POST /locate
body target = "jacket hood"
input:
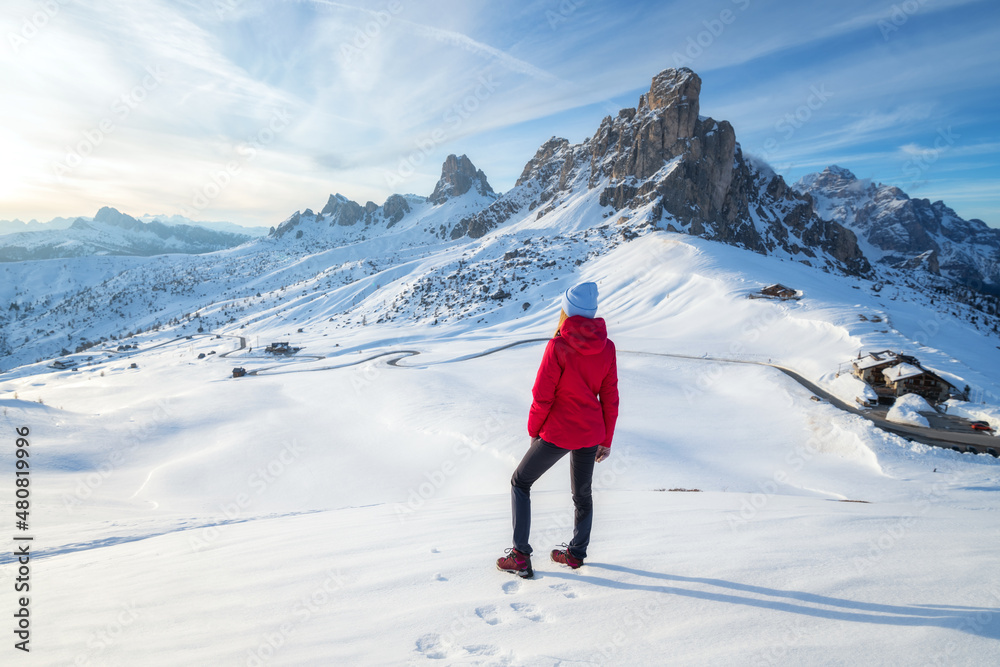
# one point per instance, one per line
(585, 335)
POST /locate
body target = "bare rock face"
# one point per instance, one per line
(639, 141)
(684, 172)
(343, 211)
(458, 176)
(394, 208)
(693, 170)
(926, 261)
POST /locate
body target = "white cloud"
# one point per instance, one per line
(437, 78)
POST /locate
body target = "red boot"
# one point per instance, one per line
(564, 557)
(516, 562)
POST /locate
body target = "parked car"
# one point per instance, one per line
(981, 426)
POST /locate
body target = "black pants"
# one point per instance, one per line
(540, 457)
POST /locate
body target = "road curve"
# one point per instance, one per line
(972, 442)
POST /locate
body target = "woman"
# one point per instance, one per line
(574, 410)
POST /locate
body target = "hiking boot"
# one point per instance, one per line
(516, 562)
(564, 557)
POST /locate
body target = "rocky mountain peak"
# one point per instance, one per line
(112, 216)
(907, 233)
(840, 171)
(832, 177)
(837, 172)
(638, 142)
(833, 185)
(675, 169)
(677, 89)
(458, 176)
(344, 211)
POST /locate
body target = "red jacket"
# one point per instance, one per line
(575, 397)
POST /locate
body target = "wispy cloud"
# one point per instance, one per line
(370, 86)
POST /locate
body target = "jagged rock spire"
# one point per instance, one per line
(458, 176)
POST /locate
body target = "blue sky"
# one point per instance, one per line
(247, 110)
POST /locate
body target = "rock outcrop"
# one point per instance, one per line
(459, 176)
(394, 208)
(460, 180)
(343, 211)
(676, 169)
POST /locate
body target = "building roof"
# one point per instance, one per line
(902, 372)
(876, 359)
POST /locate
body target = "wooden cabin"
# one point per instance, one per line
(281, 348)
(780, 291)
(906, 378)
(869, 367)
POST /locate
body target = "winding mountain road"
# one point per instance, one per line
(936, 437)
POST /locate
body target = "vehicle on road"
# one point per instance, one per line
(981, 426)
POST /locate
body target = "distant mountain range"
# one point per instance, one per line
(464, 251)
(111, 232)
(898, 231)
(14, 226)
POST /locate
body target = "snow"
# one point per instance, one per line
(345, 505)
(875, 359)
(852, 390)
(975, 412)
(901, 372)
(907, 409)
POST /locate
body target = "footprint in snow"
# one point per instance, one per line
(511, 587)
(564, 589)
(433, 646)
(488, 614)
(528, 611)
(493, 656)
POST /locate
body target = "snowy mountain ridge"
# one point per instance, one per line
(346, 504)
(663, 166)
(461, 252)
(111, 232)
(900, 231)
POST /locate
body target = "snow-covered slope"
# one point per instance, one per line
(897, 230)
(342, 510)
(345, 504)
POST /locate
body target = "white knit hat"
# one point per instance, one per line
(580, 300)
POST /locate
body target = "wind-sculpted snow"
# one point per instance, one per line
(345, 504)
